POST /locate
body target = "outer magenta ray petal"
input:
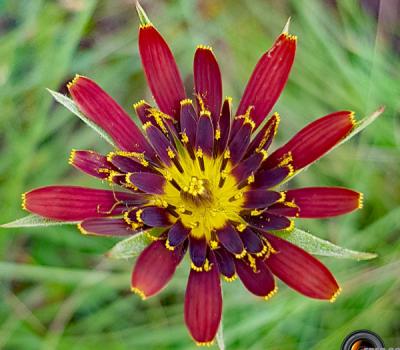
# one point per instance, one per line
(72, 203)
(100, 107)
(269, 78)
(301, 271)
(203, 304)
(161, 70)
(323, 202)
(313, 141)
(208, 81)
(154, 269)
(106, 227)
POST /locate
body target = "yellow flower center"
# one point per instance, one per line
(204, 200)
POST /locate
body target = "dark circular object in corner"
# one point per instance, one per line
(362, 339)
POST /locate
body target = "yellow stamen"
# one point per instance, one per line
(139, 104)
(241, 255)
(81, 229)
(138, 215)
(208, 343)
(186, 101)
(72, 156)
(335, 295)
(73, 81)
(360, 200)
(272, 293)
(241, 227)
(204, 47)
(168, 246)
(230, 279)
(139, 292)
(23, 203)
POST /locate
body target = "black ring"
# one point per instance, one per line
(367, 339)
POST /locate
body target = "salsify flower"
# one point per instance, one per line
(203, 175)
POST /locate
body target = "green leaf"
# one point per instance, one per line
(129, 247)
(35, 221)
(220, 336)
(71, 106)
(318, 246)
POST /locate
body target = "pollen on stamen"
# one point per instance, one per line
(185, 138)
(241, 255)
(230, 279)
(23, 203)
(186, 101)
(168, 246)
(139, 104)
(335, 295)
(81, 229)
(73, 81)
(272, 293)
(207, 344)
(360, 200)
(264, 250)
(72, 156)
(204, 47)
(138, 215)
(139, 292)
(241, 227)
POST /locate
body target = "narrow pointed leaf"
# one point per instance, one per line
(71, 106)
(33, 220)
(318, 246)
(129, 247)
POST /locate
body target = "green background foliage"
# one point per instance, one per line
(57, 288)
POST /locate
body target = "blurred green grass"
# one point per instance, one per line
(57, 290)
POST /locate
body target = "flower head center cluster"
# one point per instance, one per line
(203, 197)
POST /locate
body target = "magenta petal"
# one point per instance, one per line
(72, 203)
(271, 177)
(205, 134)
(268, 78)
(106, 227)
(301, 271)
(258, 279)
(147, 182)
(313, 141)
(324, 202)
(224, 125)
(225, 262)
(208, 81)
(198, 251)
(260, 198)
(99, 107)
(163, 147)
(154, 268)
(230, 239)
(153, 216)
(177, 234)
(265, 136)
(91, 163)
(252, 241)
(161, 70)
(239, 142)
(266, 221)
(188, 119)
(203, 304)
